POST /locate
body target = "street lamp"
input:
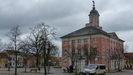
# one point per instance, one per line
(49, 65)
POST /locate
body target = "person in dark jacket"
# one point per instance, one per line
(39, 69)
(68, 70)
(71, 69)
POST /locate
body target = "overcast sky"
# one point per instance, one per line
(67, 16)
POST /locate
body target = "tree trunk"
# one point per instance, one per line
(37, 59)
(25, 65)
(45, 69)
(16, 63)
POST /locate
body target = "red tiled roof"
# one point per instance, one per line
(129, 55)
(11, 51)
(56, 59)
(3, 55)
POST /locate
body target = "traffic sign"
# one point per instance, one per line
(81, 57)
(9, 58)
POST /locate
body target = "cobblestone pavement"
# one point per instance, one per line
(124, 72)
(53, 71)
(20, 71)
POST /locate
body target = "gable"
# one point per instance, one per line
(113, 35)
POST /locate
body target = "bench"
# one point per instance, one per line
(64, 70)
(35, 70)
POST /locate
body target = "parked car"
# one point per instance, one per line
(95, 69)
(19, 66)
(11, 67)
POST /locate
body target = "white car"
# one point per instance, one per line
(95, 69)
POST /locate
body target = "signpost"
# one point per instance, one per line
(9, 62)
(9, 59)
(96, 59)
(49, 65)
(81, 57)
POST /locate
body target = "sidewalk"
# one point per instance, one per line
(58, 71)
(20, 71)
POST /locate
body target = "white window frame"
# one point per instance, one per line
(95, 39)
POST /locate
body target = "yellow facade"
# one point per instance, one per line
(3, 62)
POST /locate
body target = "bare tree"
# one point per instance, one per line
(14, 36)
(90, 53)
(40, 40)
(2, 45)
(34, 40)
(25, 51)
(108, 57)
(118, 55)
(74, 55)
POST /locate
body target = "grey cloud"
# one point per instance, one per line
(65, 15)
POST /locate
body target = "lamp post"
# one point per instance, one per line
(49, 65)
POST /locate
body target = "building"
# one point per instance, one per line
(92, 45)
(56, 61)
(3, 60)
(24, 59)
(29, 60)
(11, 54)
(128, 60)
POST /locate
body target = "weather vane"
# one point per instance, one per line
(93, 3)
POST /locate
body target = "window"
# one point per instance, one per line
(85, 41)
(65, 52)
(102, 67)
(103, 40)
(95, 51)
(73, 41)
(79, 52)
(20, 63)
(107, 41)
(65, 63)
(19, 59)
(65, 43)
(95, 39)
(103, 50)
(85, 52)
(73, 51)
(79, 40)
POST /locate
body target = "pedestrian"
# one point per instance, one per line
(68, 70)
(39, 69)
(71, 69)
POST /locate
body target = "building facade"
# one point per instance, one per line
(11, 54)
(128, 60)
(92, 45)
(23, 59)
(3, 60)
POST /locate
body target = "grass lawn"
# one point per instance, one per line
(57, 67)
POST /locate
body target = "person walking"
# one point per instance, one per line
(71, 69)
(39, 69)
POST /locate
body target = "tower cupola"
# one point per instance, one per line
(94, 11)
(94, 17)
